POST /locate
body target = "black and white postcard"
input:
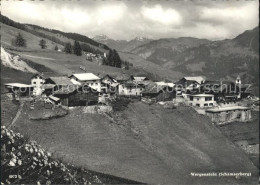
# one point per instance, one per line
(130, 92)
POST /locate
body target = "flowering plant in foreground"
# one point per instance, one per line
(25, 162)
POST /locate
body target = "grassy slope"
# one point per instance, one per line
(157, 70)
(65, 64)
(240, 131)
(9, 75)
(147, 144)
(61, 37)
(8, 33)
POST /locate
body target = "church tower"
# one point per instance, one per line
(238, 85)
(238, 80)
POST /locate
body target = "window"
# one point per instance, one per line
(205, 105)
(211, 104)
(91, 83)
(208, 98)
(191, 98)
(96, 83)
(41, 82)
(198, 105)
(34, 82)
(198, 99)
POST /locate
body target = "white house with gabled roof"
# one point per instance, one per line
(37, 82)
(89, 79)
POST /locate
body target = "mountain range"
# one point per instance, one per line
(121, 45)
(223, 59)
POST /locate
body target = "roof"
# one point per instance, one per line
(75, 82)
(121, 77)
(202, 95)
(86, 76)
(140, 78)
(231, 108)
(54, 98)
(110, 77)
(48, 86)
(198, 79)
(37, 74)
(216, 82)
(131, 84)
(151, 89)
(66, 89)
(20, 85)
(162, 83)
(61, 80)
(72, 88)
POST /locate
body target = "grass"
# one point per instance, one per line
(146, 144)
(238, 131)
(25, 162)
(42, 111)
(9, 75)
(241, 131)
(157, 71)
(8, 33)
(61, 63)
(8, 110)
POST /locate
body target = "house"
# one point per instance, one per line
(155, 93)
(122, 77)
(109, 84)
(77, 95)
(223, 91)
(19, 90)
(37, 82)
(59, 81)
(202, 100)
(48, 89)
(189, 84)
(52, 84)
(227, 114)
(165, 84)
(89, 79)
(130, 89)
(141, 80)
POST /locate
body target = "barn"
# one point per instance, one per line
(76, 95)
(154, 93)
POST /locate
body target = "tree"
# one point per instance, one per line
(42, 43)
(113, 59)
(19, 41)
(68, 48)
(56, 48)
(77, 49)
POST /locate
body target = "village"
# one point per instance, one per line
(219, 100)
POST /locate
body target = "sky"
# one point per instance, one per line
(127, 19)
